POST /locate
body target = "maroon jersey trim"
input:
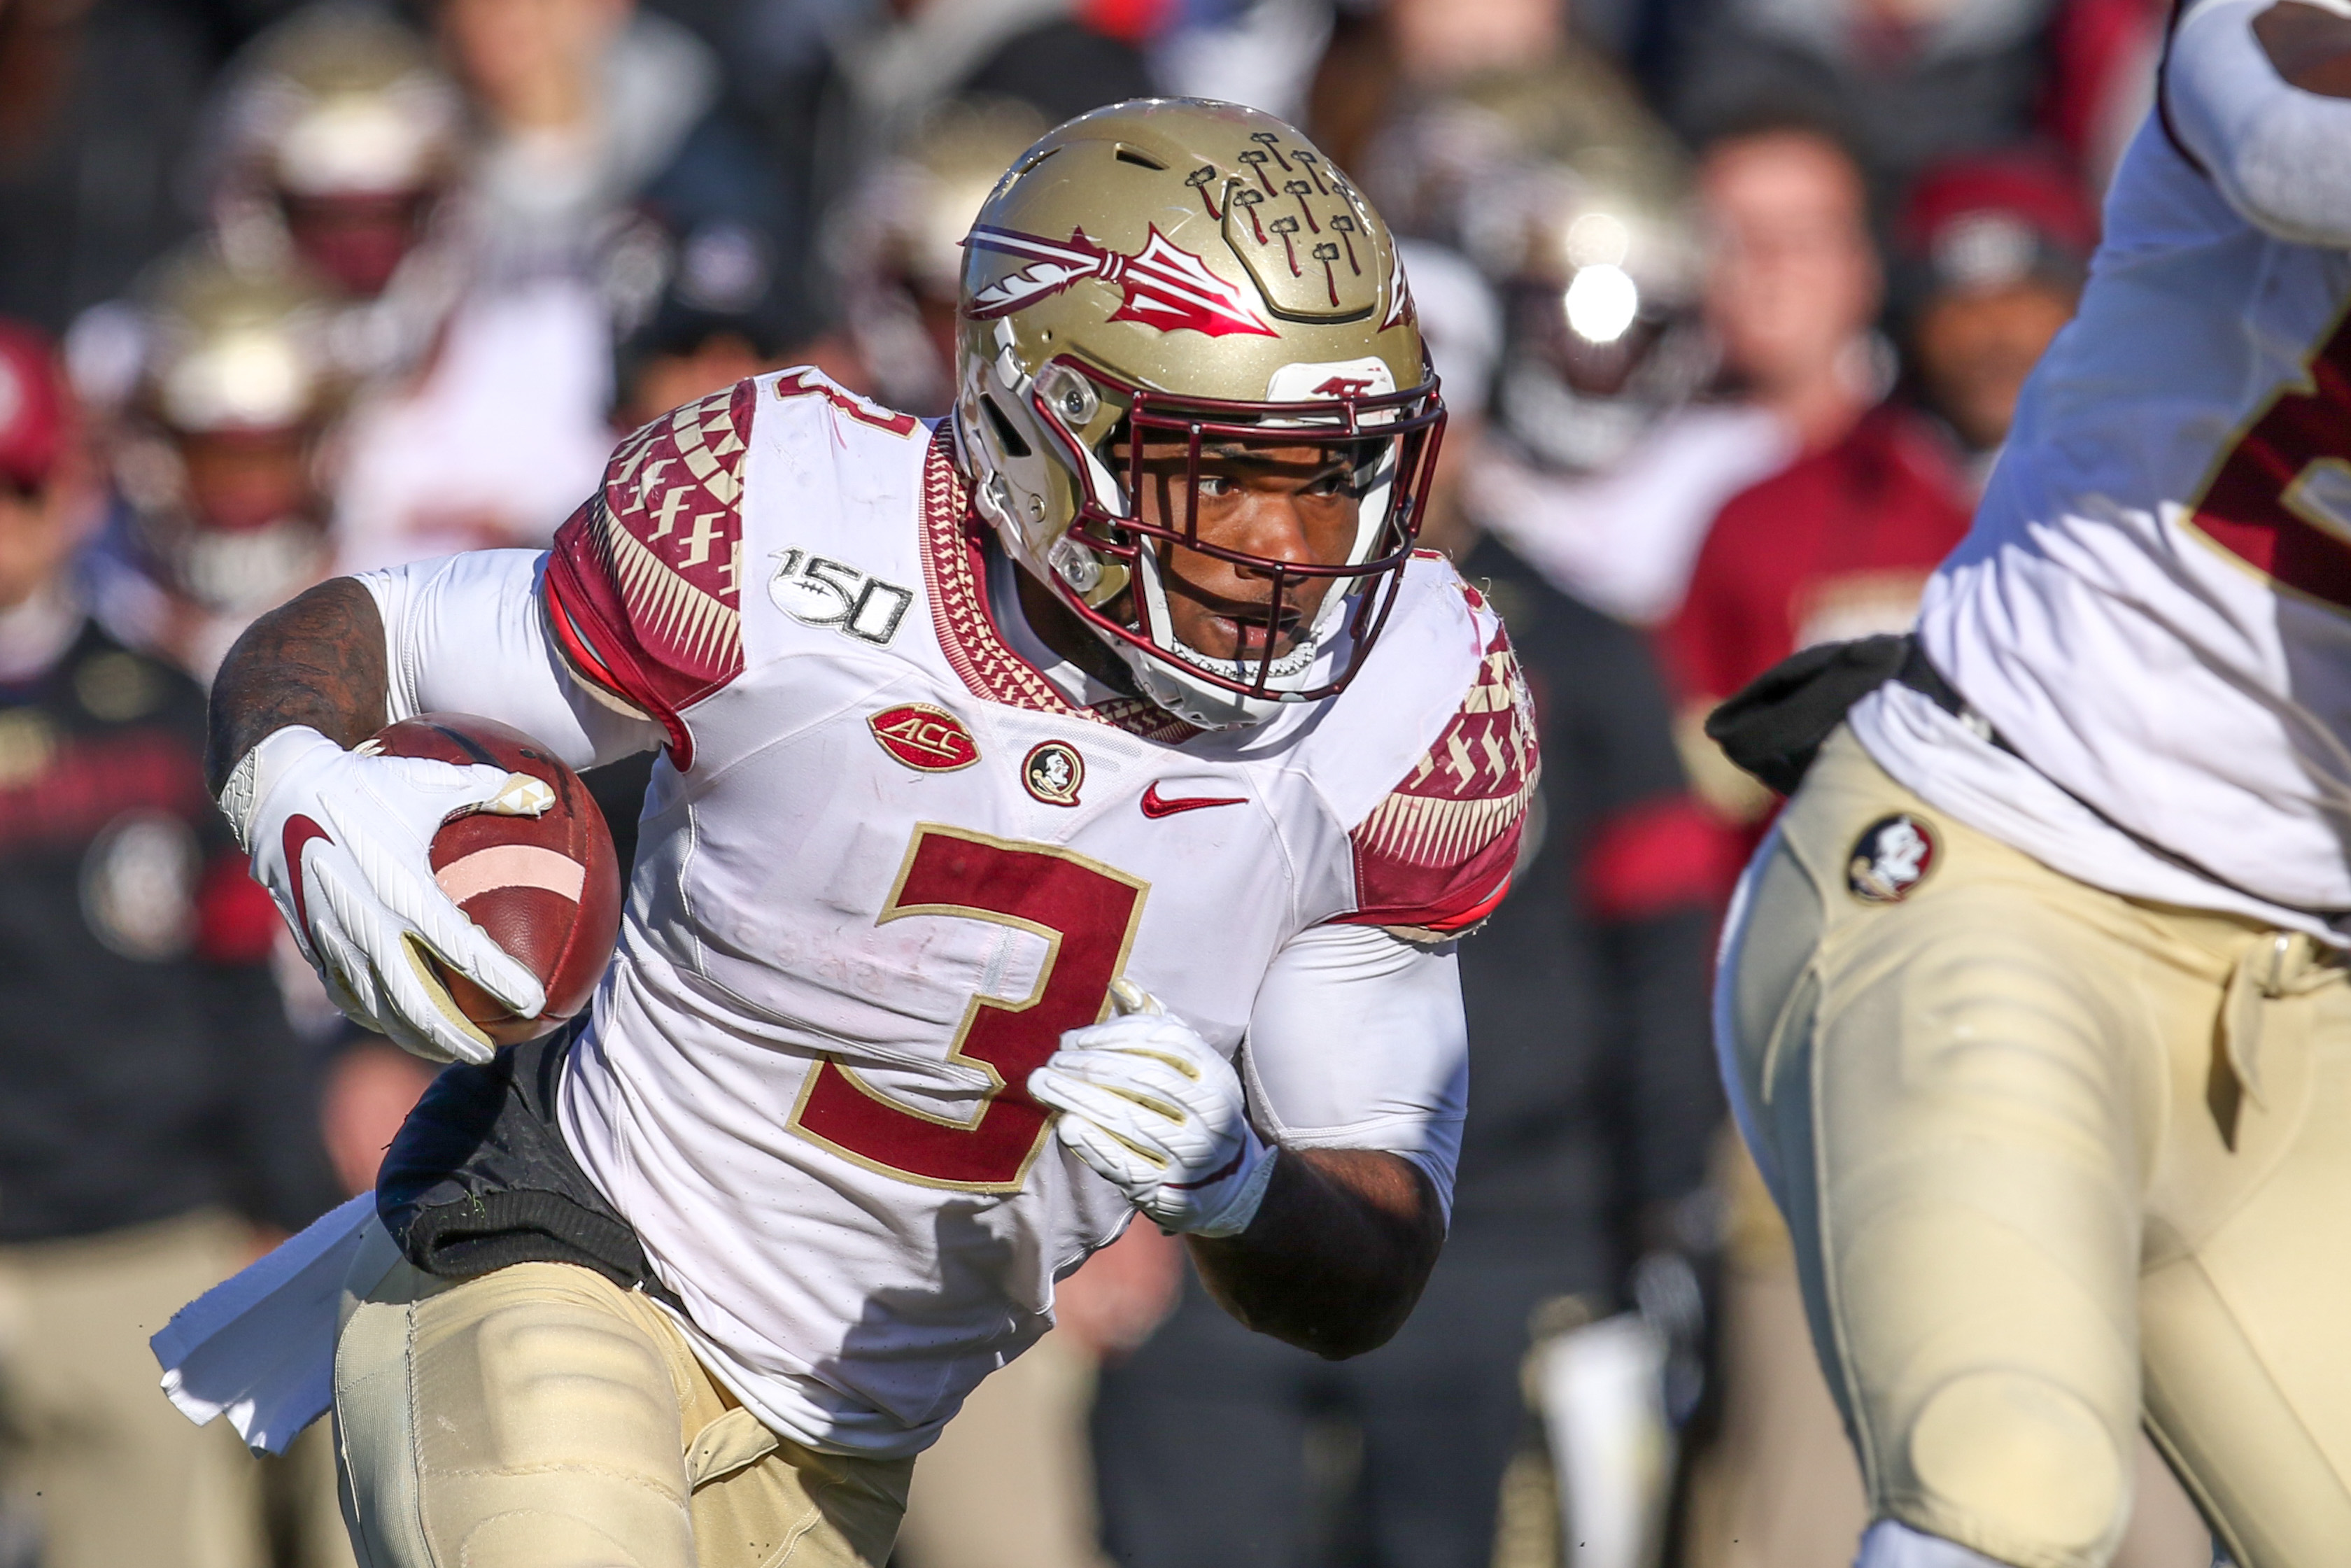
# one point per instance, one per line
(954, 570)
(644, 585)
(1436, 854)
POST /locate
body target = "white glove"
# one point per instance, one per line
(1158, 1115)
(342, 840)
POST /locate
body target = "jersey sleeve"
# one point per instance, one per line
(466, 633)
(643, 589)
(1358, 1040)
(1435, 856)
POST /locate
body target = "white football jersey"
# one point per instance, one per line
(886, 862)
(2155, 604)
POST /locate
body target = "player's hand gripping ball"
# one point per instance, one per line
(450, 879)
(1159, 1114)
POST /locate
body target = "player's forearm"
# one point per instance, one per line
(1337, 1254)
(317, 660)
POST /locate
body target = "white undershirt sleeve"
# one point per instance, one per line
(465, 633)
(1357, 1041)
(2282, 156)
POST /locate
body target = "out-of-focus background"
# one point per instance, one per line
(1732, 298)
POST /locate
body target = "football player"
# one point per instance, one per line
(2036, 1011)
(1064, 813)
(223, 453)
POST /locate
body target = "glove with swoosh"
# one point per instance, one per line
(1159, 1114)
(342, 840)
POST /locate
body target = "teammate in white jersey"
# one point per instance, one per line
(2035, 1009)
(1064, 813)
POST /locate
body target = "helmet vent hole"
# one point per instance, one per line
(1140, 160)
(1006, 436)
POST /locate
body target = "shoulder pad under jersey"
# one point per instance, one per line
(642, 587)
(1433, 855)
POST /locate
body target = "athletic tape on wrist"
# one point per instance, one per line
(239, 798)
(248, 782)
(1237, 1214)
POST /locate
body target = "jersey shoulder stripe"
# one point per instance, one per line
(1434, 854)
(643, 586)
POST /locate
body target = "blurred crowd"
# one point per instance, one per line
(1732, 298)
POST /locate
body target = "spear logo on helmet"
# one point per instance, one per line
(1165, 288)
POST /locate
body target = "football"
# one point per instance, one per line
(546, 888)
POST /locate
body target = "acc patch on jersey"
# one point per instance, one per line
(926, 738)
(1890, 859)
(1054, 772)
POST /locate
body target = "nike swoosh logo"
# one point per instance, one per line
(299, 831)
(1156, 806)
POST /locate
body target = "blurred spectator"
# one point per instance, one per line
(2101, 57)
(1908, 81)
(1912, 82)
(707, 298)
(913, 54)
(98, 100)
(1592, 1102)
(1994, 252)
(1262, 53)
(1790, 286)
(220, 457)
(336, 140)
(480, 414)
(897, 245)
(156, 1117)
(871, 77)
(1387, 62)
(1840, 545)
(583, 103)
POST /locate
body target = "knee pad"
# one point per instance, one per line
(2011, 1459)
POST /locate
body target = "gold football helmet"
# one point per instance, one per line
(339, 134)
(1165, 274)
(218, 450)
(1576, 204)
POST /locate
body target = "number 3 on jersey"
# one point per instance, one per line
(1086, 913)
(2280, 501)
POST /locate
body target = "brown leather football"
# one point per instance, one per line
(546, 888)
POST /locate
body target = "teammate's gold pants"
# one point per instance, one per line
(540, 1417)
(2055, 1161)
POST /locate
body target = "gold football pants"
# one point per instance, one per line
(540, 1417)
(2057, 1161)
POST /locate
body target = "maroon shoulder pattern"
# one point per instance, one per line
(643, 588)
(1436, 854)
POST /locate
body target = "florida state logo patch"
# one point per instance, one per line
(1890, 859)
(926, 738)
(1054, 772)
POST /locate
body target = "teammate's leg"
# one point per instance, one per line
(2248, 1368)
(540, 1416)
(1956, 1091)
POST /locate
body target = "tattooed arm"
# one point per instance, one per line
(317, 660)
(467, 634)
(342, 838)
